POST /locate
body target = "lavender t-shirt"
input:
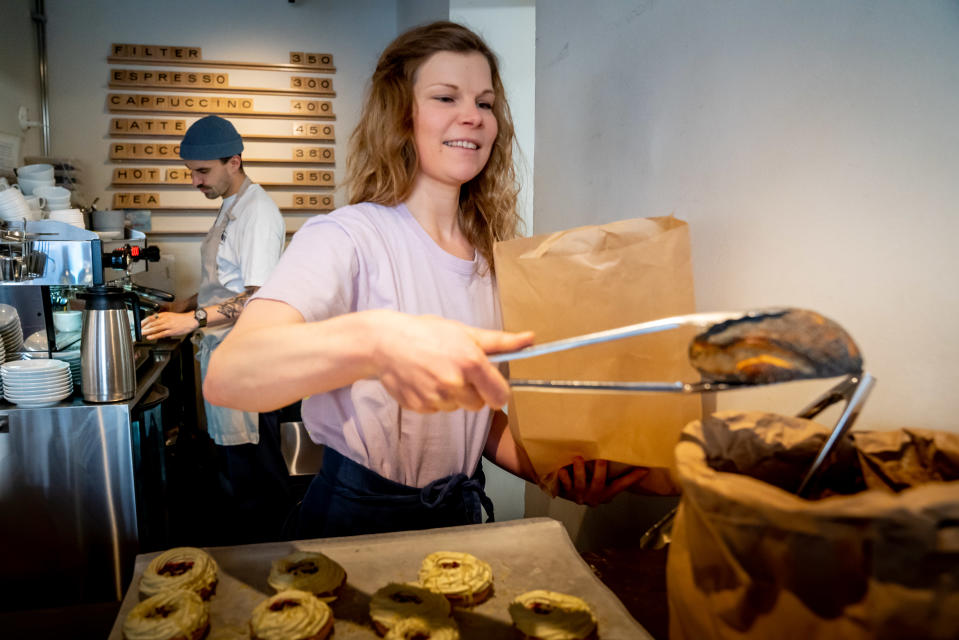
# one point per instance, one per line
(368, 256)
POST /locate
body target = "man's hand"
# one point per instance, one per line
(168, 325)
(589, 483)
(180, 306)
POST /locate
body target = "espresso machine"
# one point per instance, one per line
(44, 256)
(73, 476)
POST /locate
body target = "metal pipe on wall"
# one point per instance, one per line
(40, 22)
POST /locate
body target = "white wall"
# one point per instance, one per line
(80, 34)
(508, 27)
(411, 13)
(813, 146)
(19, 74)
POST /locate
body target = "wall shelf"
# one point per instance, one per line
(222, 64)
(221, 89)
(213, 210)
(242, 114)
(171, 186)
(179, 160)
(246, 136)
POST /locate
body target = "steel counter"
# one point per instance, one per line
(68, 498)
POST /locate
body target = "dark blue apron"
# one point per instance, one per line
(346, 498)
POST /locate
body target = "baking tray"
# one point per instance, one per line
(534, 553)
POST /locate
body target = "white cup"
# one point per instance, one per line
(36, 202)
(67, 321)
(50, 191)
(53, 205)
(29, 186)
(36, 171)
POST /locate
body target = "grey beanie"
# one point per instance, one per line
(211, 138)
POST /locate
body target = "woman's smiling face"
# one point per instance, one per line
(453, 123)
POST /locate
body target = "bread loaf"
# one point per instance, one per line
(787, 345)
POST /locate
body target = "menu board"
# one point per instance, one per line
(285, 112)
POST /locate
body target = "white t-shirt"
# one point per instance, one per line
(369, 256)
(248, 252)
(253, 241)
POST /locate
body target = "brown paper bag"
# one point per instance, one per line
(585, 280)
(750, 560)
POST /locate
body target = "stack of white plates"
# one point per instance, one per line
(36, 383)
(71, 357)
(65, 341)
(70, 216)
(11, 333)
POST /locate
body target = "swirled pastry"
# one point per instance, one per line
(791, 344)
(180, 568)
(313, 572)
(547, 615)
(394, 602)
(176, 614)
(424, 629)
(291, 615)
(464, 579)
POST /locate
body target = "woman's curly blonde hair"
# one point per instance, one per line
(382, 161)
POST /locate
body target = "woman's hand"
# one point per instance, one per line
(589, 483)
(167, 325)
(432, 364)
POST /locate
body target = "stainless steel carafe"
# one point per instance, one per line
(106, 348)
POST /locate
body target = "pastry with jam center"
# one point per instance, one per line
(180, 568)
(418, 628)
(464, 579)
(306, 571)
(176, 614)
(557, 616)
(396, 602)
(291, 615)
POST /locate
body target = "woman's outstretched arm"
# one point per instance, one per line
(273, 357)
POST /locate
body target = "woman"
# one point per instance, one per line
(382, 313)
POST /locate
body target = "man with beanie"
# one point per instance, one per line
(237, 256)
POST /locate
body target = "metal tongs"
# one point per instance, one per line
(853, 389)
(697, 320)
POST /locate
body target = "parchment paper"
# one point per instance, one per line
(878, 559)
(591, 279)
(526, 554)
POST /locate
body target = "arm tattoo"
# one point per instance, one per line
(231, 308)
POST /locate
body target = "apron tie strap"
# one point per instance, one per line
(435, 494)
